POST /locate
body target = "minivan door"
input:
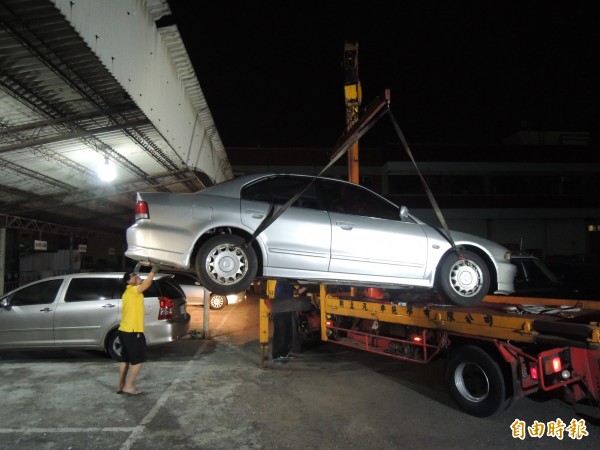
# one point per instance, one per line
(89, 308)
(28, 320)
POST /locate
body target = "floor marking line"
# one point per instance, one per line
(66, 430)
(138, 431)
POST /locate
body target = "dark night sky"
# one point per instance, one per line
(458, 72)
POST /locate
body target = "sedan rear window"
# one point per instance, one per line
(280, 189)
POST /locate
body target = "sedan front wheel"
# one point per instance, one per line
(463, 279)
(225, 265)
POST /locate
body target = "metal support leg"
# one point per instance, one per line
(264, 334)
(206, 310)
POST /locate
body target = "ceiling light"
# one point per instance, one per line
(106, 171)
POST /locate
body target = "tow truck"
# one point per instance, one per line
(499, 350)
(504, 348)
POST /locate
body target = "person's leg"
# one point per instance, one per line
(132, 374)
(278, 349)
(123, 369)
(124, 364)
(296, 339)
(288, 333)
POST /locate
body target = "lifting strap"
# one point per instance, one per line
(375, 111)
(436, 208)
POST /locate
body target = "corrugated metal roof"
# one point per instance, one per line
(62, 115)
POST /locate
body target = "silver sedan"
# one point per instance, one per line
(335, 232)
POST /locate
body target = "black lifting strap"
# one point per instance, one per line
(436, 208)
(375, 112)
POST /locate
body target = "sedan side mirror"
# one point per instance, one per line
(403, 213)
(5, 303)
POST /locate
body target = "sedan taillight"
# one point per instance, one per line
(165, 308)
(141, 210)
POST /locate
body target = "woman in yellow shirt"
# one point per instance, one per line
(131, 331)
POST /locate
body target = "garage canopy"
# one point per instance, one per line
(95, 87)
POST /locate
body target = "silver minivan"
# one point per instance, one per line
(84, 311)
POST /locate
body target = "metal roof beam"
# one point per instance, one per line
(35, 175)
(87, 195)
(69, 137)
(22, 223)
(93, 115)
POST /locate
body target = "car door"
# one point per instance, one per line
(27, 320)
(88, 309)
(300, 238)
(367, 235)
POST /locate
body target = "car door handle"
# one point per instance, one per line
(45, 310)
(109, 305)
(255, 214)
(345, 225)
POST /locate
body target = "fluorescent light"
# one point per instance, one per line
(106, 171)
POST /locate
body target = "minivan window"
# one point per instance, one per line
(164, 288)
(42, 293)
(90, 289)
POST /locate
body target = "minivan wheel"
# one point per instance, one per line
(114, 346)
(218, 301)
(225, 265)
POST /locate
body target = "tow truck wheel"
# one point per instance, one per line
(464, 280)
(475, 381)
(225, 266)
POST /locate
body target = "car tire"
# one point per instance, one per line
(225, 266)
(475, 381)
(218, 301)
(114, 346)
(463, 279)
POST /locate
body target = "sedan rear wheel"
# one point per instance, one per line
(225, 266)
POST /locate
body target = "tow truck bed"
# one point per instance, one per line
(517, 319)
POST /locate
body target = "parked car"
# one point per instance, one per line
(534, 278)
(194, 292)
(336, 232)
(84, 311)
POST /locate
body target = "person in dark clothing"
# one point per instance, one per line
(283, 322)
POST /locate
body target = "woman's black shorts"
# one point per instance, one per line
(134, 347)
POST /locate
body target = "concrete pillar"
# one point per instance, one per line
(2, 258)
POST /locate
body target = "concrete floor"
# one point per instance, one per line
(212, 394)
